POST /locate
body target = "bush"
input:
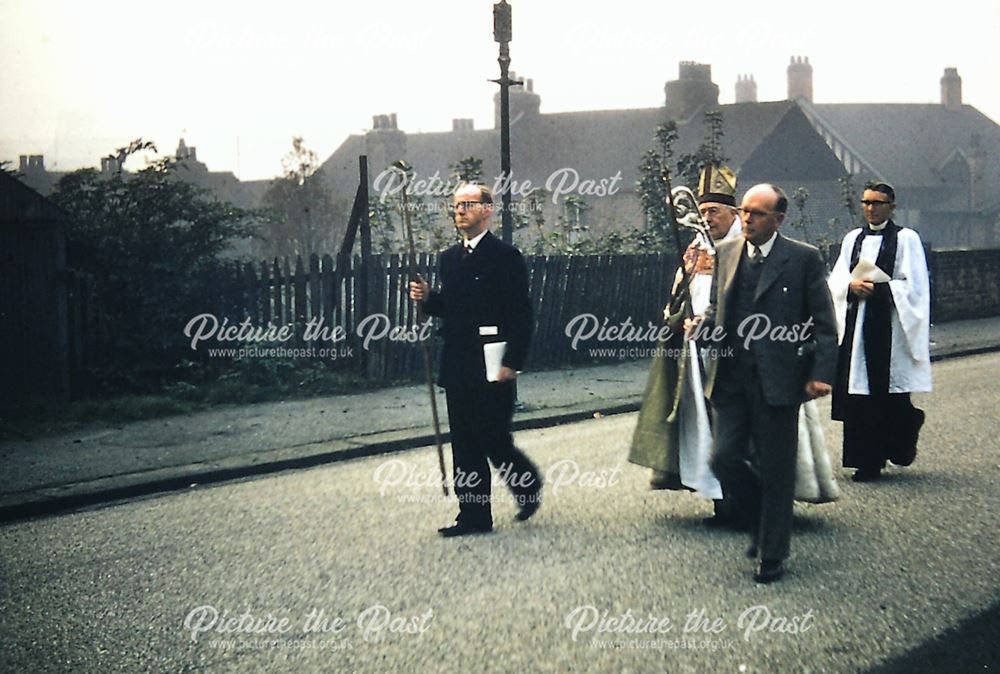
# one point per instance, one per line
(150, 241)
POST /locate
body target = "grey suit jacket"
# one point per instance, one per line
(792, 290)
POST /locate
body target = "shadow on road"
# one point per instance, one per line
(971, 646)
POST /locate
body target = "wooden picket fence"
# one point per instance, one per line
(344, 292)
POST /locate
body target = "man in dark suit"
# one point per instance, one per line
(483, 299)
(770, 298)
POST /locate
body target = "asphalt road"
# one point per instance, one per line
(608, 577)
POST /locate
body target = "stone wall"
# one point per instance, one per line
(966, 284)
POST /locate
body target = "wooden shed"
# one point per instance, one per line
(34, 339)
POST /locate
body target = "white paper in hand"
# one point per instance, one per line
(493, 356)
(866, 271)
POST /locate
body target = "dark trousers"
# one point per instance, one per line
(480, 416)
(762, 482)
(878, 428)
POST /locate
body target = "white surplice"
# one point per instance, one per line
(694, 429)
(910, 364)
(814, 478)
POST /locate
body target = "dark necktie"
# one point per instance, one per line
(756, 256)
(466, 250)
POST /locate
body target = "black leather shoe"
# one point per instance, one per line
(656, 485)
(867, 475)
(769, 570)
(529, 507)
(752, 551)
(905, 458)
(462, 529)
(663, 480)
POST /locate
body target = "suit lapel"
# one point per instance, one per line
(772, 267)
(728, 267)
(485, 242)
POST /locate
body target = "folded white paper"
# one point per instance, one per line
(493, 356)
(866, 271)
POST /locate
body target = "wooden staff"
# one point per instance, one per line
(404, 168)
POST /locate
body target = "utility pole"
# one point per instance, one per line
(502, 34)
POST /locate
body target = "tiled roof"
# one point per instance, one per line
(908, 144)
(597, 144)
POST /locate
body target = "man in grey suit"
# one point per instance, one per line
(771, 305)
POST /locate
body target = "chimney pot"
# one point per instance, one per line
(746, 89)
(800, 79)
(384, 121)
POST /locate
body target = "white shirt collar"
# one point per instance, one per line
(765, 248)
(878, 228)
(474, 241)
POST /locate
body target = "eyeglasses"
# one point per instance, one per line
(753, 213)
(869, 202)
(467, 204)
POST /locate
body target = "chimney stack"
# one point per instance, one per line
(800, 79)
(110, 165)
(951, 89)
(746, 89)
(692, 90)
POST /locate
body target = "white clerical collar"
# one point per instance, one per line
(765, 248)
(474, 241)
(735, 229)
(878, 228)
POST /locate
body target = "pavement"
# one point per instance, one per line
(48, 475)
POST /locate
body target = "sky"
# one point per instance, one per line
(239, 79)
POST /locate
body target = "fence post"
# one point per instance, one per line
(300, 300)
(279, 310)
(315, 303)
